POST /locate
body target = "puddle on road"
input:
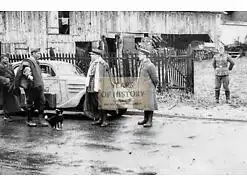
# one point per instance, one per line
(176, 146)
(191, 137)
(147, 173)
(102, 146)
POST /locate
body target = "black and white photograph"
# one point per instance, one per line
(123, 92)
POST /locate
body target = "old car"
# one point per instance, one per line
(67, 82)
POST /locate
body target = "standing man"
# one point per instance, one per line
(147, 82)
(99, 90)
(34, 90)
(8, 98)
(220, 64)
(103, 46)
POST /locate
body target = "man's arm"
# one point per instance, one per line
(229, 59)
(214, 63)
(153, 74)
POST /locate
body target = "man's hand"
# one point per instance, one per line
(7, 80)
(30, 77)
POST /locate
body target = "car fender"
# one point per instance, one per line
(72, 102)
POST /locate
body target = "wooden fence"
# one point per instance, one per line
(174, 71)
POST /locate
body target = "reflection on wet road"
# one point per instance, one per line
(171, 146)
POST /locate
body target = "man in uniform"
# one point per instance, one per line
(147, 82)
(221, 65)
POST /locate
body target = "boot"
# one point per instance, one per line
(150, 119)
(145, 119)
(99, 121)
(7, 117)
(217, 95)
(30, 122)
(41, 121)
(103, 117)
(227, 93)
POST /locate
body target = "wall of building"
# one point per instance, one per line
(22, 30)
(40, 29)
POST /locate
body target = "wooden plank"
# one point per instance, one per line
(164, 71)
(159, 70)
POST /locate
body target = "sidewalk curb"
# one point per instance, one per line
(186, 117)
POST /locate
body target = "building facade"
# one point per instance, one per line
(69, 31)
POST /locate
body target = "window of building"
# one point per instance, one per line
(63, 21)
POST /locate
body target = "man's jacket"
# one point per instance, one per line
(220, 64)
(36, 72)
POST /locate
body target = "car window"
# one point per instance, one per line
(47, 71)
(69, 69)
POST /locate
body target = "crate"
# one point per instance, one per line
(51, 100)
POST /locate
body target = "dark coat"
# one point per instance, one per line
(8, 92)
(220, 64)
(36, 73)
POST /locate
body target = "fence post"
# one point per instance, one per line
(165, 61)
(190, 75)
(48, 57)
(159, 59)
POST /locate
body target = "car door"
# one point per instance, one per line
(51, 81)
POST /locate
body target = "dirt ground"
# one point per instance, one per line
(204, 83)
(202, 103)
(171, 146)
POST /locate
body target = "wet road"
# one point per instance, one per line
(171, 146)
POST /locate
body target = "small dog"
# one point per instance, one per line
(56, 121)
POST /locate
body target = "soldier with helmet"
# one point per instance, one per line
(222, 63)
(147, 82)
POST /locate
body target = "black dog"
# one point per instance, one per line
(56, 121)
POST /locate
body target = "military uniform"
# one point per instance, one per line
(146, 83)
(222, 68)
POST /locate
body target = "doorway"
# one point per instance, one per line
(82, 55)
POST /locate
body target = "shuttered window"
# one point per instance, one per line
(63, 21)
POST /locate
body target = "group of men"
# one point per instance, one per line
(98, 79)
(30, 79)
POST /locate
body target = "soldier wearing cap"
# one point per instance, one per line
(8, 92)
(98, 83)
(221, 65)
(34, 90)
(147, 81)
